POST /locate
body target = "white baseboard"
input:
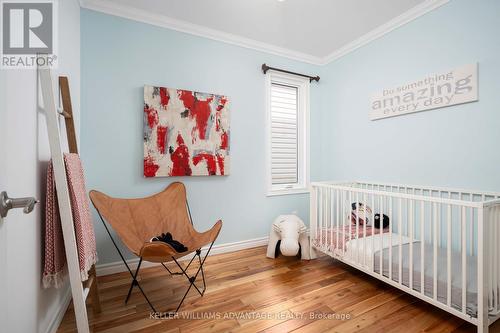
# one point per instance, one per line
(58, 317)
(119, 266)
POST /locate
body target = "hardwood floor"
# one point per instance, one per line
(297, 296)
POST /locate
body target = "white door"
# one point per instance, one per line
(3, 228)
(23, 149)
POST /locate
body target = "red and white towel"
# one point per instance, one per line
(55, 256)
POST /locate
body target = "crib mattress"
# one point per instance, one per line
(362, 249)
(442, 274)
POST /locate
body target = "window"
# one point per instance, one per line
(288, 133)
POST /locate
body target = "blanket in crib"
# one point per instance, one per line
(336, 238)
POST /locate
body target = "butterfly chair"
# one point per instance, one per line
(137, 221)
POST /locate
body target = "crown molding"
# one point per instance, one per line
(112, 8)
(406, 17)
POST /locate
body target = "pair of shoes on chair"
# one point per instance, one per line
(167, 238)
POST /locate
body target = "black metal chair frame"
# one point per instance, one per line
(183, 271)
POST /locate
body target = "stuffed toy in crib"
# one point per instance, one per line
(362, 213)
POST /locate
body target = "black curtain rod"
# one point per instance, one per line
(265, 68)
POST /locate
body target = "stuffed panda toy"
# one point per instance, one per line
(362, 214)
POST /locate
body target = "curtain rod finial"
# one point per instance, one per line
(265, 68)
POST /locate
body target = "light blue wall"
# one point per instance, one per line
(454, 146)
(118, 57)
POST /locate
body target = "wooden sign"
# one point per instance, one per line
(453, 87)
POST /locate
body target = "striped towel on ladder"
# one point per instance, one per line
(55, 256)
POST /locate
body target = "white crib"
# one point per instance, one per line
(441, 245)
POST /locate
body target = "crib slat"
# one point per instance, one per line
(315, 214)
(320, 216)
(411, 244)
(332, 218)
(471, 227)
(400, 232)
(422, 246)
(357, 227)
(318, 224)
(350, 222)
(373, 233)
(448, 255)
(329, 221)
(491, 246)
(407, 215)
(464, 257)
(338, 219)
(494, 257)
(364, 229)
(435, 244)
(327, 217)
(439, 221)
(390, 237)
(324, 217)
(482, 254)
(344, 195)
(381, 248)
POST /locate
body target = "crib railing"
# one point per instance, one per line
(441, 245)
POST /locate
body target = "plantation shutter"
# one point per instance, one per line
(284, 135)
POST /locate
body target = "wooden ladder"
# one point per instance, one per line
(79, 291)
(67, 113)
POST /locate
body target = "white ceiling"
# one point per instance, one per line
(311, 30)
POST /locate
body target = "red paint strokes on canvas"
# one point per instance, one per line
(164, 97)
(210, 160)
(187, 98)
(193, 136)
(224, 141)
(150, 167)
(220, 163)
(199, 110)
(180, 159)
(161, 138)
(152, 115)
(201, 113)
(222, 103)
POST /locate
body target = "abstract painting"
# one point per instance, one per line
(186, 133)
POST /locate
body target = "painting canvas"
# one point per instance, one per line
(186, 133)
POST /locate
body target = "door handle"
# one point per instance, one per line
(6, 204)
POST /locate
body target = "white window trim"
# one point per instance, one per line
(303, 85)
